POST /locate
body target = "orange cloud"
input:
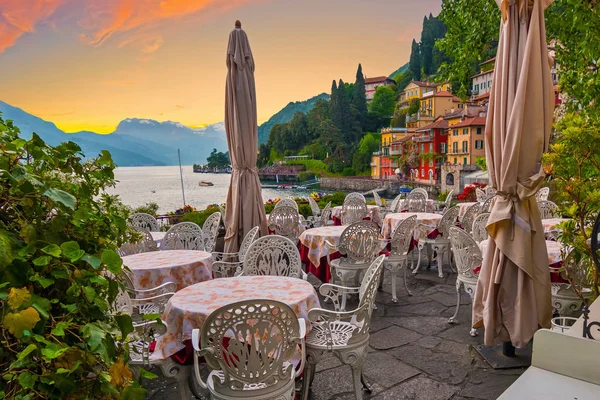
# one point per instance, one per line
(21, 16)
(105, 18)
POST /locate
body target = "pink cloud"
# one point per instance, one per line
(18, 17)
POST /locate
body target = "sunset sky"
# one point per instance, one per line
(88, 64)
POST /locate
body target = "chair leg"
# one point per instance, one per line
(363, 379)
(405, 267)
(307, 380)
(420, 247)
(357, 379)
(452, 319)
(394, 272)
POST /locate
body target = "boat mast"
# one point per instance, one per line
(181, 176)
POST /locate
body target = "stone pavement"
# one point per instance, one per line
(415, 354)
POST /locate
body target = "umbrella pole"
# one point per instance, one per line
(508, 349)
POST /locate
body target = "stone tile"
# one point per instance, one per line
(441, 366)
(452, 347)
(332, 382)
(449, 300)
(328, 361)
(428, 342)
(429, 308)
(366, 395)
(378, 324)
(391, 337)
(420, 388)
(422, 325)
(487, 384)
(460, 333)
(448, 289)
(386, 370)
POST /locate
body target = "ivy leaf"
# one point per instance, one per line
(42, 261)
(112, 261)
(89, 293)
(53, 351)
(120, 374)
(28, 350)
(60, 196)
(53, 250)
(104, 158)
(92, 260)
(93, 334)
(17, 297)
(68, 371)
(59, 329)
(133, 393)
(27, 379)
(41, 304)
(71, 250)
(44, 282)
(6, 254)
(25, 320)
(125, 324)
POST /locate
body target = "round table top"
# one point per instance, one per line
(324, 231)
(421, 216)
(164, 259)
(369, 206)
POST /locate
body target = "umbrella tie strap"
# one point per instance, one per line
(251, 169)
(513, 198)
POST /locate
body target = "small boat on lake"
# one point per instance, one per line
(205, 183)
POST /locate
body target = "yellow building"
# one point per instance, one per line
(382, 166)
(466, 141)
(415, 90)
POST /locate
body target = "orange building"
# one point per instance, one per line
(466, 141)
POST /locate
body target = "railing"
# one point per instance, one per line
(376, 153)
(459, 153)
(397, 152)
(424, 138)
(394, 130)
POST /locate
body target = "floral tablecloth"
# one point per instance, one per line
(554, 250)
(314, 239)
(374, 213)
(426, 223)
(551, 224)
(463, 207)
(429, 206)
(158, 237)
(183, 267)
(189, 308)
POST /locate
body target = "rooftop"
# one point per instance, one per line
(378, 79)
(425, 84)
(491, 71)
(488, 61)
(477, 121)
(440, 123)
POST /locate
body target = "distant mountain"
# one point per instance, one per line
(400, 70)
(135, 142)
(286, 114)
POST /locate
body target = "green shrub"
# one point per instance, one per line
(336, 199)
(306, 176)
(198, 217)
(149, 208)
(348, 171)
(443, 195)
(58, 234)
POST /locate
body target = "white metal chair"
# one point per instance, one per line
(447, 203)
(481, 196)
(377, 198)
(225, 265)
(354, 209)
(285, 221)
(273, 255)
(478, 231)
(441, 244)
(542, 194)
(249, 346)
(565, 298)
(144, 245)
(325, 217)
(183, 236)
(397, 203)
(210, 231)
(289, 202)
(400, 247)
(467, 219)
(147, 301)
(485, 206)
(359, 245)
(422, 191)
(490, 192)
(346, 334)
(467, 256)
(415, 202)
(548, 209)
(355, 195)
(144, 221)
(315, 210)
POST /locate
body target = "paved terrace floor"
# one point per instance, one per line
(414, 355)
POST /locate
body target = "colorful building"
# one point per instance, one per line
(383, 166)
(466, 141)
(415, 90)
(432, 146)
(482, 82)
(371, 85)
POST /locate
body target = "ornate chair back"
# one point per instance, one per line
(485, 206)
(248, 240)
(448, 220)
(467, 254)
(285, 221)
(210, 231)
(478, 231)
(422, 191)
(183, 236)
(325, 215)
(273, 255)
(548, 209)
(377, 198)
(490, 192)
(542, 194)
(355, 195)
(396, 204)
(366, 295)
(481, 196)
(144, 221)
(252, 342)
(360, 243)
(222, 211)
(354, 210)
(403, 236)
(314, 207)
(287, 203)
(145, 244)
(448, 202)
(467, 220)
(416, 202)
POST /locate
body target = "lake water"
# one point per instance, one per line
(162, 185)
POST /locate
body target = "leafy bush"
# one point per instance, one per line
(336, 199)
(443, 195)
(149, 208)
(198, 217)
(348, 171)
(306, 176)
(58, 234)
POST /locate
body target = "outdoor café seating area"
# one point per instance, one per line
(315, 309)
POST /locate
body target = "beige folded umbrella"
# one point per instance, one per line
(512, 299)
(245, 207)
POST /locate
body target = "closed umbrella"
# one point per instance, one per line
(512, 299)
(245, 207)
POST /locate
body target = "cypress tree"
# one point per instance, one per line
(359, 101)
(415, 61)
(333, 103)
(427, 41)
(344, 119)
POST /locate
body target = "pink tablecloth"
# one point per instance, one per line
(183, 267)
(427, 223)
(189, 308)
(374, 213)
(463, 207)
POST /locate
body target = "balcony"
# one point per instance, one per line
(397, 152)
(412, 118)
(377, 153)
(428, 137)
(459, 153)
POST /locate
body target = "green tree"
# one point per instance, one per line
(384, 103)
(481, 163)
(361, 162)
(415, 61)
(218, 159)
(413, 107)
(359, 101)
(402, 81)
